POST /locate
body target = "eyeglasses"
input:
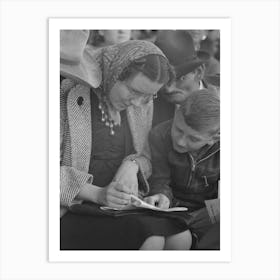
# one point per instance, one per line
(146, 98)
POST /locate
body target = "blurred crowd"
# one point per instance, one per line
(206, 43)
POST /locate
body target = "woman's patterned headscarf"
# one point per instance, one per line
(114, 59)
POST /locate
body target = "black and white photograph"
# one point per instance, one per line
(140, 139)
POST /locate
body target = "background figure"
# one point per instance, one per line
(189, 68)
(214, 36)
(103, 38)
(197, 36)
(212, 65)
(147, 35)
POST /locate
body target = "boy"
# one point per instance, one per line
(186, 161)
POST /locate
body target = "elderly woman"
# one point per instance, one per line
(103, 132)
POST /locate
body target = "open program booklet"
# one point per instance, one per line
(138, 203)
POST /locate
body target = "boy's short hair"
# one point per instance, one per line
(201, 111)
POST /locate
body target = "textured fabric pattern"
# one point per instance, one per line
(75, 130)
(75, 147)
(114, 59)
(71, 181)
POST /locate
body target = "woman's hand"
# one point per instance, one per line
(114, 195)
(159, 200)
(127, 176)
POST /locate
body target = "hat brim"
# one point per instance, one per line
(87, 72)
(187, 67)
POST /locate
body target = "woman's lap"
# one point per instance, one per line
(86, 232)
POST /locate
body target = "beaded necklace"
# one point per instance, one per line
(105, 118)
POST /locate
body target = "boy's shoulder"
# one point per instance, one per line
(162, 130)
(160, 136)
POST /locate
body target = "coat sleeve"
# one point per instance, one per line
(143, 156)
(144, 159)
(71, 182)
(71, 179)
(160, 179)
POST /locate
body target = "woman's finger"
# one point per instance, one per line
(116, 200)
(117, 206)
(163, 203)
(151, 200)
(123, 188)
(120, 194)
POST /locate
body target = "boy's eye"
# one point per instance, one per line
(180, 131)
(193, 139)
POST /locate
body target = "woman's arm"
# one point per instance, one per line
(140, 121)
(75, 188)
(71, 183)
(76, 185)
(127, 175)
(114, 195)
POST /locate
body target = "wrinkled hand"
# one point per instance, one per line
(114, 195)
(127, 176)
(159, 200)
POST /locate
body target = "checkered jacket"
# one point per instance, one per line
(76, 140)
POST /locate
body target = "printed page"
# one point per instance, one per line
(138, 203)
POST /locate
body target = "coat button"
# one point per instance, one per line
(80, 100)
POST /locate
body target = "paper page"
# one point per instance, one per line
(137, 202)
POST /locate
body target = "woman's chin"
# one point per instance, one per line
(119, 107)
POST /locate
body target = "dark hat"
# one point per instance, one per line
(178, 46)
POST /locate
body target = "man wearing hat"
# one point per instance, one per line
(189, 68)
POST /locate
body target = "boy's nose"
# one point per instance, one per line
(181, 142)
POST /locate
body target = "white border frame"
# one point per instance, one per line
(55, 255)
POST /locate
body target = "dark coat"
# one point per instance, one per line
(186, 180)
